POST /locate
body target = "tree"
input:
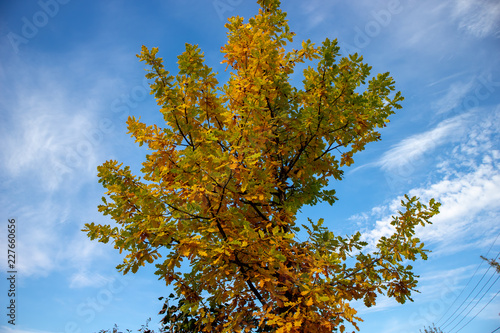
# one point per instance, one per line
(431, 329)
(232, 167)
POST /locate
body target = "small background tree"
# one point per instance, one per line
(431, 329)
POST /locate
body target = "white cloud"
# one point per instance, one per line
(84, 278)
(403, 155)
(452, 277)
(53, 138)
(79, 254)
(467, 184)
(9, 329)
(437, 285)
(44, 246)
(436, 29)
(37, 240)
(479, 18)
(42, 138)
(316, 11)
(466, 180)
(462, 199)
(53, 114)
(453, 98)
(47, 129)
(382, 304)
(43, 243)
(421, 20)
(447, 78)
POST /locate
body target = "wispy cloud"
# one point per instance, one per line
(463, 199)
(413, 148)
(436, 28)
(467, 184)
(8, 329)
(37, 234)
(383, 303)
(447, 78)
(41, 137)
(479, 18)
(453, 98)
(81, 257)
(455, 275)
(51, 112)
(316, 12)
(45, 245)
(84, 278)
(50, 152)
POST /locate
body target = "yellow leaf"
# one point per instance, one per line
(185, 251)
(324, 298)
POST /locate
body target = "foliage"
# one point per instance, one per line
(216, 209)
(179, 321)
(493, 263)
(143, 329)
(432, 329)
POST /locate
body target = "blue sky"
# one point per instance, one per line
(69, 77)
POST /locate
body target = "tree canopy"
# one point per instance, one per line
(216, 207)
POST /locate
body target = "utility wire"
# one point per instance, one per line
(496, 330)
(477, 300)
(451, 306)
(481, 311)
(477, 284)
(456, 299)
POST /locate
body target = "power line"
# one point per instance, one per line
(480, 312)
(496, 330)
(477, 284)
(476, 305)
(476, 301)
(451, 306)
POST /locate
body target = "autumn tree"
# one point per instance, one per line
(216, 207)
